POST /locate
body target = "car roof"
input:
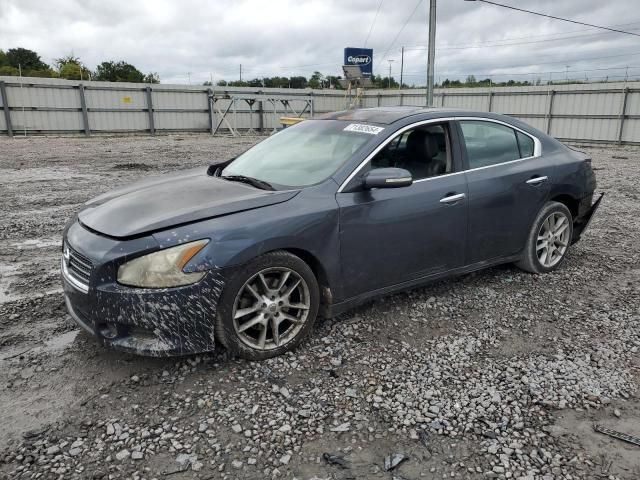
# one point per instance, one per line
(389, 115)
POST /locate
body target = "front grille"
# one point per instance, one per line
(79, 266)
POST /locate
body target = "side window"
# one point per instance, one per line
(489, 143)
(525, 142)
(424, 151)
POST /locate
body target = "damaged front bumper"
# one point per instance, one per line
(584, 217)
(169, 322)
(153, 322)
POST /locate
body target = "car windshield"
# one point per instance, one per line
(301, 155)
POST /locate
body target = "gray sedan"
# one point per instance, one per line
(316, 219)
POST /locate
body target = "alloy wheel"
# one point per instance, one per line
(271, 308)
(553, 239)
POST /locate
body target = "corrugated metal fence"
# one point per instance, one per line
(606, 112)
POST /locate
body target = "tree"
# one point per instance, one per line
(153, 77)
(118, 72)
(298, 82)
(384, 82)
(222, 83)
(471, 80)
(276, 82)
(25, 59)
(333, 82)
(3, 59)
(316, 80)
(71, 68)
(9, 71)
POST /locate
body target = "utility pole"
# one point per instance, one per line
(389, 84)
(566, 74)
(401, 66)
(240, 72)
(432, 51)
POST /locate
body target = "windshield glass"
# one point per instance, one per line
(301, 155)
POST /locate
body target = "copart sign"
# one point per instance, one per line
(361, 57)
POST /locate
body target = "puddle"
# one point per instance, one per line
(61, 341)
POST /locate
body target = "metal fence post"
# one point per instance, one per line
(260, 117)
(152, 125)
(379, 97)
(552, 94)
(83, 106)
(490, 101)
(401, 99)
(442, 104)
(210, 108)
(623, 112)
(5, 107)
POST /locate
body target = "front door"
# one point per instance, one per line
(392, 235)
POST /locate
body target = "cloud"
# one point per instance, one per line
(197, 39)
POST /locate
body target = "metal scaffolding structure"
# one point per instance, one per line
(285, 102)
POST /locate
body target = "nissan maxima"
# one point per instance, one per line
(316, 219)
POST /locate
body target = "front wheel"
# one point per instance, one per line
(268, 306)
(548, 240)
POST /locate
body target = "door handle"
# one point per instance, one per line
(537, 180)
(453, 198)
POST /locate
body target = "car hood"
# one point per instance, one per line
(174, 199)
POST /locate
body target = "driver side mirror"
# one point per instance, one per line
(387, 178)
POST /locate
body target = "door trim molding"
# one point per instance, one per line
(537, 147)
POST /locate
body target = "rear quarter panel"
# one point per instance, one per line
(573, 174)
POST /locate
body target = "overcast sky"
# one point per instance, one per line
(296, 37)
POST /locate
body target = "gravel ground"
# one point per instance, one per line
(497, 374)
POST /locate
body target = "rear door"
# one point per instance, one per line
(508, 183)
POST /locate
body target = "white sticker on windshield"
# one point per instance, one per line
(358, 127)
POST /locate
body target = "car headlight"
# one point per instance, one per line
(162, 269)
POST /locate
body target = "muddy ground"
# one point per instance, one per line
(497, 374)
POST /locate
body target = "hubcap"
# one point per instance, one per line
(553, 239)
(271, 308)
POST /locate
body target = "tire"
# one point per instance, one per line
(556, 245)
(268, 306)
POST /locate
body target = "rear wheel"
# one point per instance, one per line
(268, 307)
(548, 240)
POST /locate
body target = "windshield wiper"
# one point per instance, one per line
(249, 180)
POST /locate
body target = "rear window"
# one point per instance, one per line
(490, 143)
(525, 142)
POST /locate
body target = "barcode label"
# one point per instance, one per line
(360, 128)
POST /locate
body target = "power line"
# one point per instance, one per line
(465, 47)
(373, 23)
(401, 29)
(495, 74)
(556, 18)
(551, 34)
(563, 61)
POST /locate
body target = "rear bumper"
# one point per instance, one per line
(585, 214)
(167, 322)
